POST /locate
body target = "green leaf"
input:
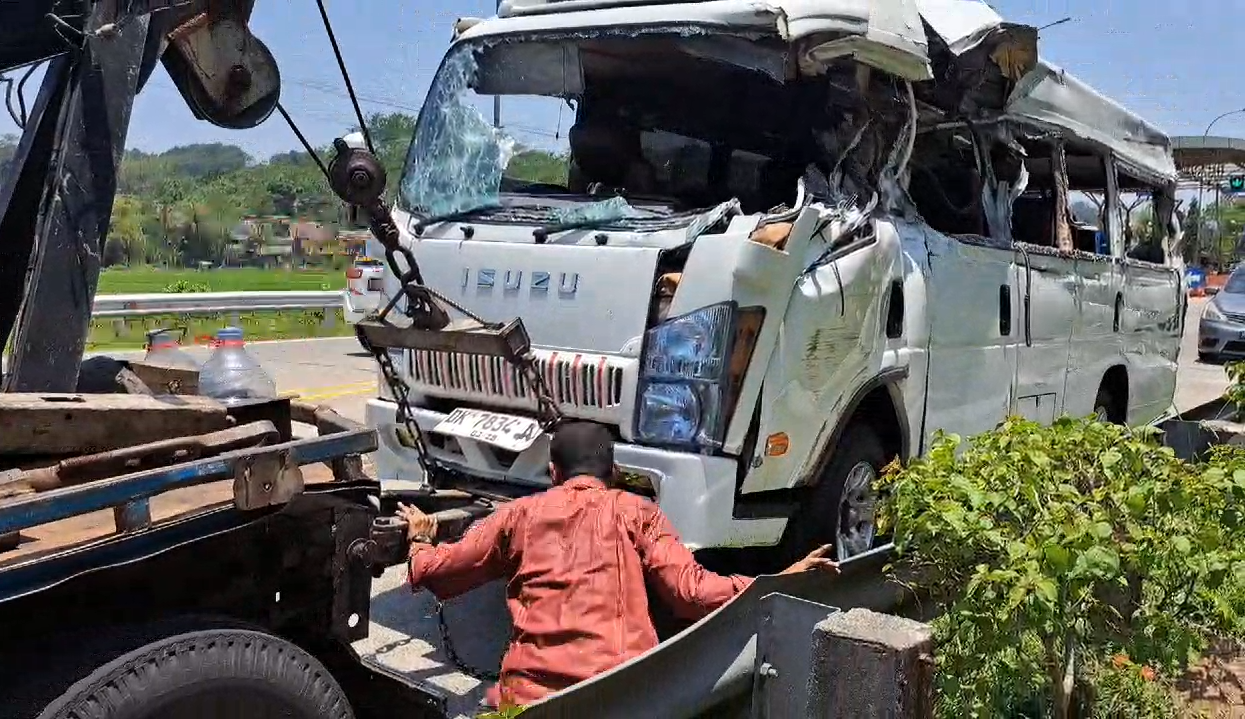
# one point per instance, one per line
(1102, 530)
(1182, 544)
(1046, 589)
(1110, 458)
(1058, 557)
(1098, 560)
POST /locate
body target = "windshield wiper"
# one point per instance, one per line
(541, 234)
(426, 222)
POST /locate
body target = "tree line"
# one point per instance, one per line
(182, 206)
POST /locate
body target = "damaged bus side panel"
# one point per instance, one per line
(785, 250)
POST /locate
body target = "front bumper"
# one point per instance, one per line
(356, 307)
(696, 492)
(1220, 338)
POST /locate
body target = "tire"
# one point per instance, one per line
(216, 674)
(1105, 409)
(858, 448)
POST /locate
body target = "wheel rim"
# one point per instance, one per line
(857, 509)
(1102, 414)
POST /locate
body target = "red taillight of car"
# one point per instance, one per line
(354, 273)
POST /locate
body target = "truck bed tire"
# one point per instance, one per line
(216, 673)
(816, 521)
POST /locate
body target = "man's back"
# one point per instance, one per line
(578, 556)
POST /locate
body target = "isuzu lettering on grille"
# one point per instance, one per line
(512, 281)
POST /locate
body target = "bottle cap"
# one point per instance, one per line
(229, 334)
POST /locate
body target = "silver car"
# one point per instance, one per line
(1221, 332)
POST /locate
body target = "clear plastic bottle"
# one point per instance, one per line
(232, 375)
(164, 350)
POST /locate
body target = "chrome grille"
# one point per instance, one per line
(574, 380)
(1234, 317)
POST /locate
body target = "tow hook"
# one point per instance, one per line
(388, 546)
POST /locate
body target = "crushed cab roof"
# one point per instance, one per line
(887, 34)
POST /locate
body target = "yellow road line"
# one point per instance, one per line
(333, 394)
(334, 387)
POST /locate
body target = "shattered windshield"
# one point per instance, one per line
(601, 128)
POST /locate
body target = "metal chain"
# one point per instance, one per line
(405, 416)
(547, 411)
(455, 659)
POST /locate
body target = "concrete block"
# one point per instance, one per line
(867, 665)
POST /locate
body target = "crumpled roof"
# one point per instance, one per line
(888, 34)
(1051, 96)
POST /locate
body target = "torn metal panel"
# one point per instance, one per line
(961, 24)
(1052, 97)
(886, 34)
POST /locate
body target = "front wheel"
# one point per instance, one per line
(842, 508)
(213, 674)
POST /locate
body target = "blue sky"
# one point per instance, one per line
(1173, 63)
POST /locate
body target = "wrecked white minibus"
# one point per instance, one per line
(793, 240)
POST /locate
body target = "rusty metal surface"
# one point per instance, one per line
(226, 74)
(36, 509)
(277, 411)
(166, 380)
(87, 468)
(348, 468)
(265, 479)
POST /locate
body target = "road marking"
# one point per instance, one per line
(323, 393)
(335, 387)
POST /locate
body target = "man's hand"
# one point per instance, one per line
(816, 560)
(420, 527)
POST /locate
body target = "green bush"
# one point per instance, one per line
(187, 286)
(1052, 548)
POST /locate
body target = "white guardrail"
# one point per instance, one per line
(141, 305)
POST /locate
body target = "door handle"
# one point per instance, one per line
(1119, 308)
(1005, 310)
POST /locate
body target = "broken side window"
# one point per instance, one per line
(1064, 199)
(945, 183)
(1147, 219)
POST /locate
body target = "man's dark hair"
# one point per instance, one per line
(583, 448)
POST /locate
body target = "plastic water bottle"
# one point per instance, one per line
(231, 374)
(164, 350)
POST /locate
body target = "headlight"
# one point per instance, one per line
(683, 377)
(1212, 313)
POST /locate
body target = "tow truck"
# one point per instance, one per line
(247, 606)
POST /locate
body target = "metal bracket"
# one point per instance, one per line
(266, 479)
(783, 655)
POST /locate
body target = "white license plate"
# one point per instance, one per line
(500, 430)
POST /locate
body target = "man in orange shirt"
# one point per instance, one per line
(577, 557)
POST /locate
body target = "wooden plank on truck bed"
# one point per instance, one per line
(70, 424)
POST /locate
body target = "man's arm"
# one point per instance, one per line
(448, 570)
(691, 590)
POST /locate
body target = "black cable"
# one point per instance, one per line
(306, 145)
(18, 89)
(8, 102)
(21, 92)
(341, 64)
